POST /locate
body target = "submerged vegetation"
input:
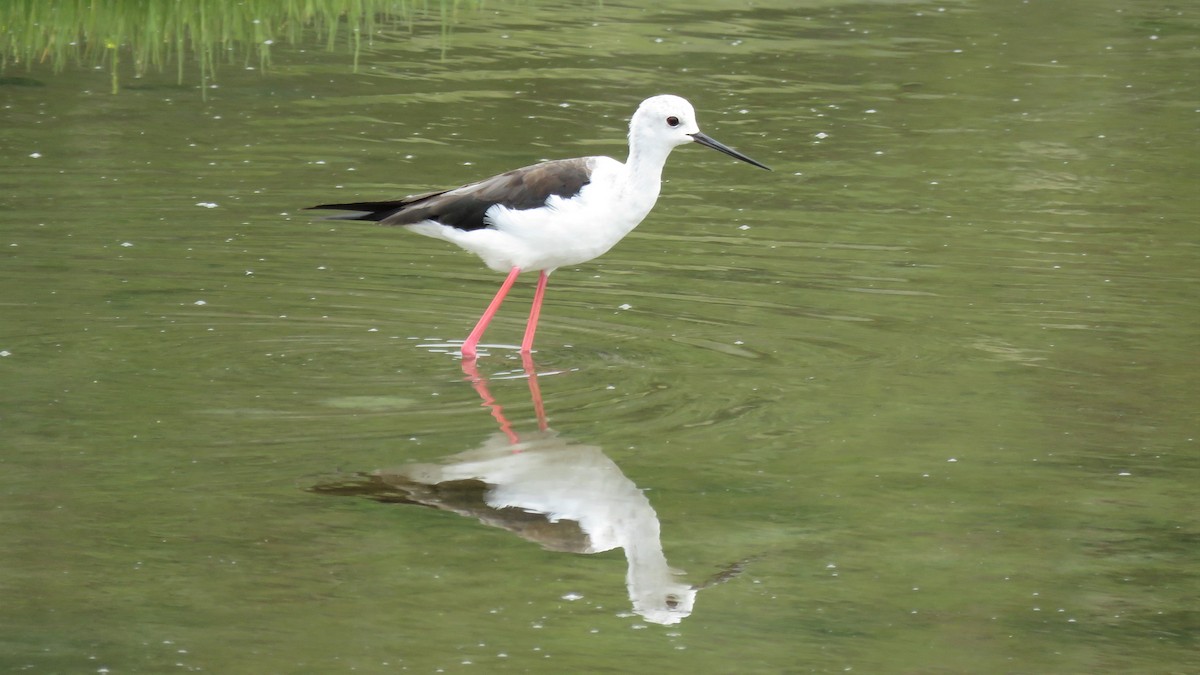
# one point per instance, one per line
(131, 37)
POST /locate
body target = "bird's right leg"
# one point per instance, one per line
(534, 312)
(468, 348)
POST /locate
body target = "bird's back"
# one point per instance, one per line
(464, 208)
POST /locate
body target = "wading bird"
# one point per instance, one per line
(542, 217)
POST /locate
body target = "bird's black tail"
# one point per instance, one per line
(372, 211)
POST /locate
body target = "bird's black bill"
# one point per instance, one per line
(715, 145)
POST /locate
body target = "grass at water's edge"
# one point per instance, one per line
(134, 36)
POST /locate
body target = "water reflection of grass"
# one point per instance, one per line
(134, 36)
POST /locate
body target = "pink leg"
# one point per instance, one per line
(468, 348)
(535, 312)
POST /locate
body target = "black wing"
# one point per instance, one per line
(464, 207)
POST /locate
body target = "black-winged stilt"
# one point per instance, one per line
(545, 216)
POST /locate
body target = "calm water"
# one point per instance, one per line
(921, 400)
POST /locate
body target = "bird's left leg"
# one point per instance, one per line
(468, 348)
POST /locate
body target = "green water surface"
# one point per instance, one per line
(931, 385)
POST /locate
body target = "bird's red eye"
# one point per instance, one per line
(672, 121)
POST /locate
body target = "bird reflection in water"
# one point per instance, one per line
(565, 496)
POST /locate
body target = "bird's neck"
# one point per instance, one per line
(647, 160)
(643, 170)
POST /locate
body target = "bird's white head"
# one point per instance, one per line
(664, 122)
